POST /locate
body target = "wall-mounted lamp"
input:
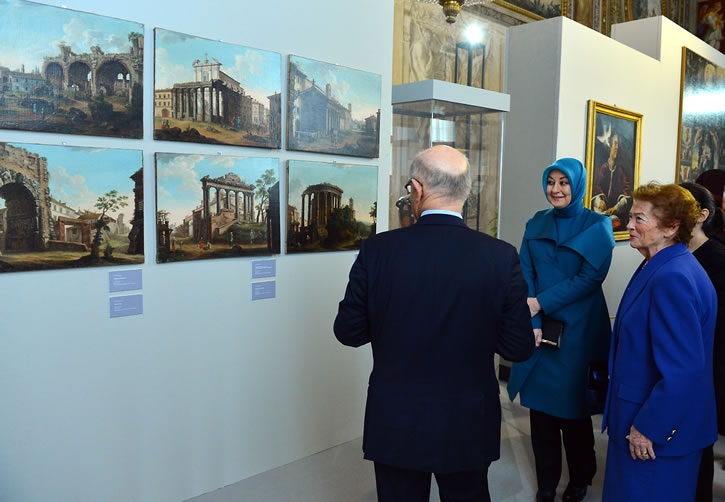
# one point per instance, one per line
(451, 8)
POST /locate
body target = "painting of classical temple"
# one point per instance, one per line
(207, 91)
(69, 207)
(330, 206)
(216, 206)
(333, 109)
(70, 72)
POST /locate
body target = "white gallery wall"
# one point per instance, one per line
(206, 387)
(553, 69)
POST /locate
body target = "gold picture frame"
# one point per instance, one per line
(614, 145)
(536, 9)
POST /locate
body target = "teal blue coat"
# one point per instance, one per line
(565, 257)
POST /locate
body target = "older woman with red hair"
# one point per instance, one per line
(660, 410)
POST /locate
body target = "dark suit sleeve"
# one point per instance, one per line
(516, 337)
(351, 324)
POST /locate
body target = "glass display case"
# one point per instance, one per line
(433, 112)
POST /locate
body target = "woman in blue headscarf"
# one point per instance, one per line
(565, 256)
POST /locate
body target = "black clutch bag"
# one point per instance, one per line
(552, 331)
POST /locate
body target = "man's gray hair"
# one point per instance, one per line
(435, 180)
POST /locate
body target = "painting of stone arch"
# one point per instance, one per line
(216, 206)
(69, 207)
(333, 109)
(330, 206)
(70, 72)
(207, 91)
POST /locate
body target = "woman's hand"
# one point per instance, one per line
(639, 446)
(538, 334)
(534, 306)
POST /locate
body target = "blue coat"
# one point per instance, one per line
(661, 356)
(565, 260)
(436, 300)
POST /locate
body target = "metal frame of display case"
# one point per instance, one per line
(446, 105)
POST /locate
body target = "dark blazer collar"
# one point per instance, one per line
(440, 219)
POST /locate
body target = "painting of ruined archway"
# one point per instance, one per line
(69, 207)
(70, 72)
(330, 206)
(216, 206)
(208, 91)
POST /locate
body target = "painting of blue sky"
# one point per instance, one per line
(238, 216)
(331, 206)
(90, 214)
(71, 72)
(227, 93)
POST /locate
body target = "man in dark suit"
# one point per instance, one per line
(436, 300)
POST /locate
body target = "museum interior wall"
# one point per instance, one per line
(638, 70)
(206, 387)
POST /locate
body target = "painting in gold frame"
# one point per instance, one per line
(702, 125)
(536, 9)
(614, 139)
(640, 9)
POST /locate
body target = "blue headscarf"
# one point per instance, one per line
(577, 176)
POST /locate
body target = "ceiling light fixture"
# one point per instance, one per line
(451, 8)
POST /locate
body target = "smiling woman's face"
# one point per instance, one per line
(558, 189)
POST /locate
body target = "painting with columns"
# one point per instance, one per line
(70, 72)
(332, 109)
(216, 206)
(330, 206)
(208, 91)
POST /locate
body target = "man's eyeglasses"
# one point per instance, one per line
(409, 184)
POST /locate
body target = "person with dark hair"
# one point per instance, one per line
(436, 301)
(708, 246)
(565, 255)
(713, 180)
(660, 409)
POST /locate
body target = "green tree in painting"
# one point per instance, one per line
(109, 202)
(374, 215)
(263, 184)
(341, 226)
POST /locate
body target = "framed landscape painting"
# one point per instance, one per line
(69, 207)
(702, 125)
(70, 72)
(330, 206)
(333, 109)
(537, 9)
(216, 206)
(614, 145)
(207, 91)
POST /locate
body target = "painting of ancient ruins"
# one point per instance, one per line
(70, 72)
(69, 207)
(330, 206)
(208, 91)
(333, 109)
(216, 206)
